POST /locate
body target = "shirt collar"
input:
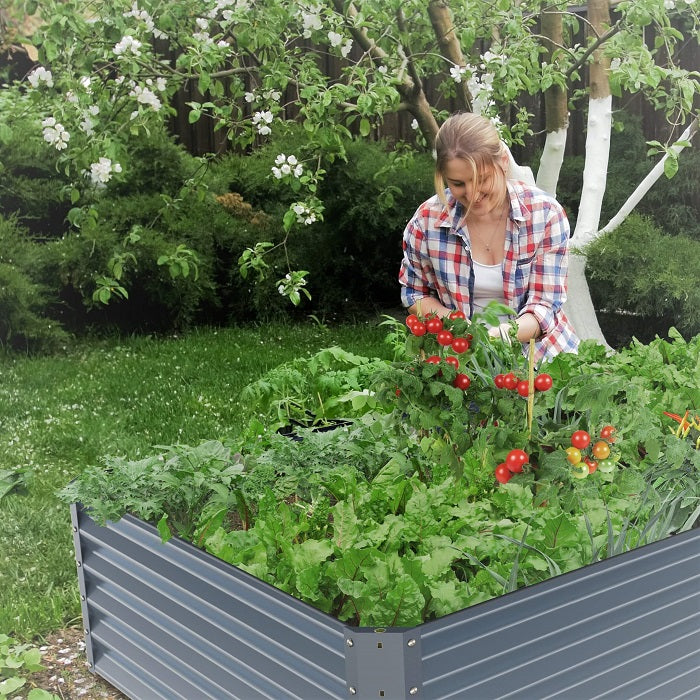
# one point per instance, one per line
(452, 213)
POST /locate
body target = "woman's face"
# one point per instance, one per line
(479, 198)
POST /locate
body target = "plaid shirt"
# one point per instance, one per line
(437, 262)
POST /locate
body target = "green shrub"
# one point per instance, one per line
(353, 255)
(23, 324)
(642, 270)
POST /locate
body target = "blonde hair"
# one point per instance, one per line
(473, 139)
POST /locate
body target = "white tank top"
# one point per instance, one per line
(488, 285)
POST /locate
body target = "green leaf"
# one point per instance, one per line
(670, 165)
(365, 127)
(11, 685)
(164, 528)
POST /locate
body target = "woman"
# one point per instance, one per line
(487, 237)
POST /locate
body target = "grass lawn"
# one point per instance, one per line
(122, 397)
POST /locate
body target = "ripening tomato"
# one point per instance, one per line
(460, 345)
(444, 338)
(462, 382)
(453, 361)
(523, 387)
(607, 433)
(434, 325)
(606, 466)
(580, 470)
(580, 439)
(418, 328)
(503, 474)
(510, 381)
(573, 455)
(543, 382)
(433, 360)
(592, 464)
(499, 380)
(516, 459)
(601, 450)
(411, 319)
(457, 314)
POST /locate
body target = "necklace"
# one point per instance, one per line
(488, 242)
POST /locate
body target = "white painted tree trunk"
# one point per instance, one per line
(551, 161)
(595, 171)
(646, 184)
(579, 305)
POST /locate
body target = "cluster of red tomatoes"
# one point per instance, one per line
(434, 326)
(543, 382)
(585, 457)
(515, 461)
(445, 339)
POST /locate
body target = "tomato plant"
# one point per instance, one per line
(516, 459)
(523, 387)
(460, 345)
(444, 337)
(434, 325)
(503, 474)
(462, 381)
(543, 382)
(580, 439)
(601, 450)
(573, 455)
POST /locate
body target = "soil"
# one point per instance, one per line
(66, 672)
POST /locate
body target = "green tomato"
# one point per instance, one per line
(606, 465)
(579, 471)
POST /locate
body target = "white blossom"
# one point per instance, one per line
(287, 165)
(335, 39)
(146, 96)
(40, 75)
(128, 43)
(101, 172)
(669, 4)
(456, 73)
(249, 97)
(55, 133)
(383, 70)
(346, 48)
(414, 124)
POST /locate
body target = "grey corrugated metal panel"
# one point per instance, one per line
(198, 621)
(585, 634)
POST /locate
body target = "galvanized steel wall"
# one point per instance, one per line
(173, 622)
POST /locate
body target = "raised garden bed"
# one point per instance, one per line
(171, 621)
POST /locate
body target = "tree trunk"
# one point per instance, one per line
(598, 133)
(646, 184)
(556, 108)
(443, 27)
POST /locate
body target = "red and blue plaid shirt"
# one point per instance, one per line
(437, 262)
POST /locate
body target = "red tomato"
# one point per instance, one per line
(509, 381)
(444, 338)
(434, 360)
(592, 464)
(580, 439)
(543, 382)
(607, 433)
(434, 325)
(499, 381)
(515, 460)
(503, 474)
(460, 345)
(523, 387)
(462, 382)
(457, 314)
(411, 319)
(453, 361)
(573, 455)
(601, 450)
(398, 391)
(418, 328)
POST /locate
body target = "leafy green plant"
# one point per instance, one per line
(330, 384)
(449, 492)
(17, 663)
